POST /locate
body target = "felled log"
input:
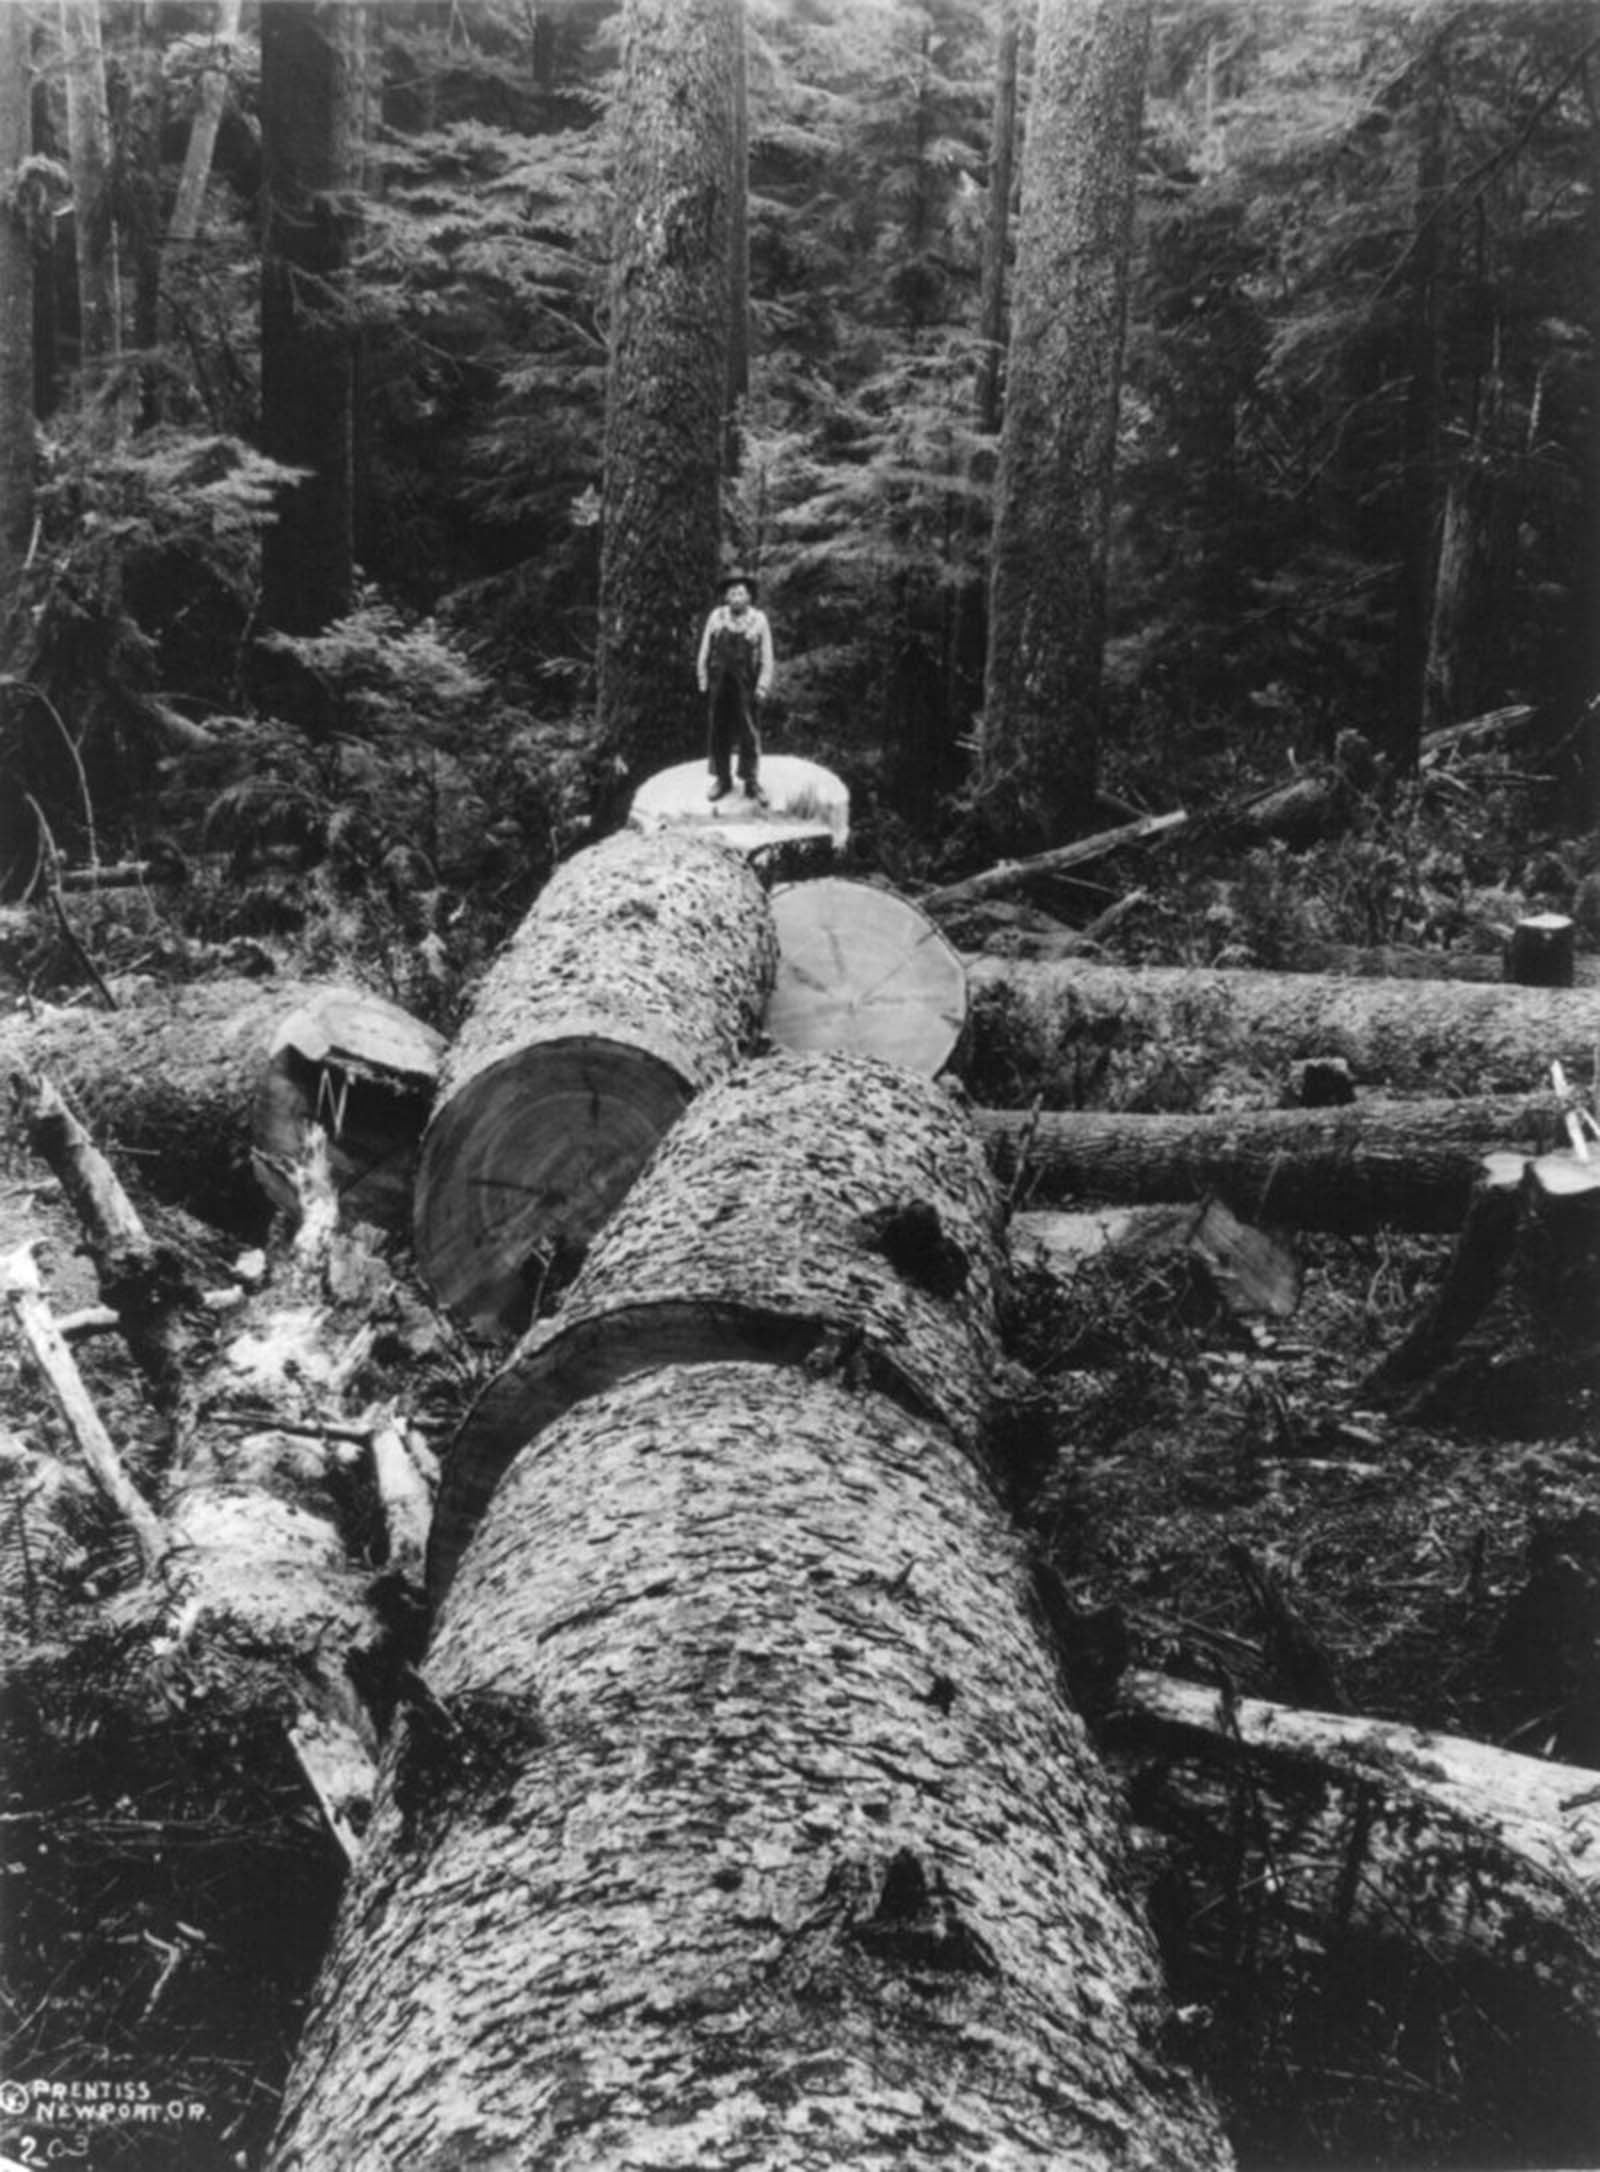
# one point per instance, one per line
(1404, 1164)
(1401, 961)
(1060, 860)
(364, 1072)
(1316, 803)
(746, 1825)
(823, 1209)
(1495, 728)
(1076, 1035)
(801, 829)
(861, 969)
(639, 976)
(1390, 1898)
(173, 1080)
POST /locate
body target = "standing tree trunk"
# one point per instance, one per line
(997, 227)
(211, 96)
(739, 247)
(312, 103)
(141, 192)
(89, 147)
(667, 391)
(16, 306)
(1039, 748)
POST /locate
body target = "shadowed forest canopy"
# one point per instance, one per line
(1356, 432)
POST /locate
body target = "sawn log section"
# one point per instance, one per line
(639, 976)
(825, 1208)
(752, 1829)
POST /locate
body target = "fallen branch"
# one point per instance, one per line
(1009, 873)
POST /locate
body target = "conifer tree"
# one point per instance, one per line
(1039, 746)
(668, 373)
(16, 305)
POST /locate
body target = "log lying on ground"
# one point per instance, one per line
(1076, 1035)
(639, 976)
(746, 1826)
(804, 825)
(1414, 1899)
(207, 1088)
(1403, 962)
(1061, 860)
(1404, 1164)
(861, 969)
(825, 1208)
(1316, 803)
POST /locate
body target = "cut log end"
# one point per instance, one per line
(861, 970)
(363, 1071)
(521, 1167)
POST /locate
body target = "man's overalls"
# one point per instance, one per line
(733, 666)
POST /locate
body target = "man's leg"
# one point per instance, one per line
(749, 749)
(719, 752)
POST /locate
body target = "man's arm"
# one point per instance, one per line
(764, 675)
(702, 660)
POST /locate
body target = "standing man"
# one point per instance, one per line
(735, 670)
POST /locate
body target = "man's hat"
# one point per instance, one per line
(739, 580)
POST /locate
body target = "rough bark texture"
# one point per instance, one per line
(862, 969)
(667, 388)
(1039, 750)
(171, 1080)
(89, 141)
(16, 306)
(1408, 1898)
(1401, 1164)
(312, 100)
(997, 220)
(755, 1830)
(820, 1208)
(1088, 1034)
(639, 976)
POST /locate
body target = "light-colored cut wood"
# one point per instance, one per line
(863, 970)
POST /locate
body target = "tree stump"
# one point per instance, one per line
(747, 1826)
(863, 970)
(638, 977)
(824, 1209)
(1542, 951)
(804, 825)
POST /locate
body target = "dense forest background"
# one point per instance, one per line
(1356, 454)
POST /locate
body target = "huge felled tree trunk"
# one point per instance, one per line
(667, 385)
(639, 976)
(16, 305)
(1039, 748)
(1401, 1164)
(750, 1829)
(1163, 1037)
(823, 1209)
(312, 103)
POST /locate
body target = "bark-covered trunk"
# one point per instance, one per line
(94, 228)
(210, 98)
(821, 1209)
(639, 976)
(667, 387)
(210, 1087)
(997, 223)
(16, 306)
(1363, 1906)
(1039, 750)
(1398, 1164)
(1163, 1038)
(749, 1827)
(312, 102)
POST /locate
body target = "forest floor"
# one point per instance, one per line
(151, 1957)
